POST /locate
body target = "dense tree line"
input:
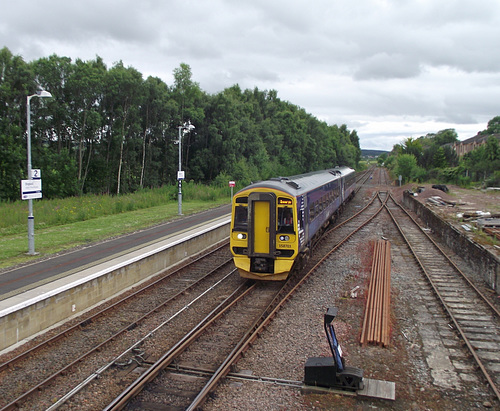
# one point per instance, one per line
(432, 158)
(108, 130)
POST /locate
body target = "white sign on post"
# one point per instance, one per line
(31, 189)
(180, 175)
(36, 174)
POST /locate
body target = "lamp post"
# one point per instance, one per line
(31, 219)
(185, 128)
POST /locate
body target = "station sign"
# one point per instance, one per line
(180, 175)
(31, 189)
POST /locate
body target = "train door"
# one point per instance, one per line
(262, 229)
(303, 223)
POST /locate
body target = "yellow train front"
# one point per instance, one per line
(274, 221)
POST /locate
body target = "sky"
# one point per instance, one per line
(389, 69)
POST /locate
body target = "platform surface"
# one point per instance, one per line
(28, 277)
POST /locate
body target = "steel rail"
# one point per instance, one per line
(375, 327)
(114, 361)
(364, 175)
(355, 215)
(15, 403)
(224, 368)
(238, 352)
(441, 299)
(103, 312)
(462, 274)
(138, 385)
(239, 377)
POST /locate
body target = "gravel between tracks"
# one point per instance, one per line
(420, 338)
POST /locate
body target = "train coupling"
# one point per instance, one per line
(331, 372)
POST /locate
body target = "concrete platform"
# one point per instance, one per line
(26, 314)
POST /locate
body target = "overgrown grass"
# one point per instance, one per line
(51, 213)
(71, 222)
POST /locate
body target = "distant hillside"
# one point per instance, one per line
(372, 153)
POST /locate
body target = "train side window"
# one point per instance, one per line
(285, 220)
(241, 218)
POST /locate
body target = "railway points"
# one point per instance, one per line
(425, 360)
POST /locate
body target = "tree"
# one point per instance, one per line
(108, 130)
(156, 113)
(405, 165)
(123, 98)
(412, 146)
(191, 101)
(52, 74)
(445, 137)
(86, 90)
(16, 81)
(381, 159)
(493, 126)
(492, 149)
(439, 160)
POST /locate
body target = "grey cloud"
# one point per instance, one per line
(366, 62)
(385, 66)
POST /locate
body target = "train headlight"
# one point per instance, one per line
(284, 237)
(241, 236)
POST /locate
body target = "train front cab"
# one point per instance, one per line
(263, 235)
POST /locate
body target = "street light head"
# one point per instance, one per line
(43, 93)
(188, 126)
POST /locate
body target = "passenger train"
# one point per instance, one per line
(275, 222)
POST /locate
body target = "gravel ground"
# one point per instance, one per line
(421, 337)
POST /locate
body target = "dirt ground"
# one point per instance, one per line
(460, 206)
(461, 200)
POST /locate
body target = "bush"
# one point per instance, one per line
(493, 180)
(463, 181)
(419, 174)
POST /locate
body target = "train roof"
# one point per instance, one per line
(302, 183)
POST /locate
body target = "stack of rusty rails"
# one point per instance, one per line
(376, 324)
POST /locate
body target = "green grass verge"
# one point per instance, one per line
(54, 239)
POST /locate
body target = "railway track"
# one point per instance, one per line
(206, 376)
(107, 338)
(210, 340)
(351, 229)
(202, 357)
(89, 338)
(474, 318)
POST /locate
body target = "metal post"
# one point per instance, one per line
(179, 179)
(31, 218)
(187, 127)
